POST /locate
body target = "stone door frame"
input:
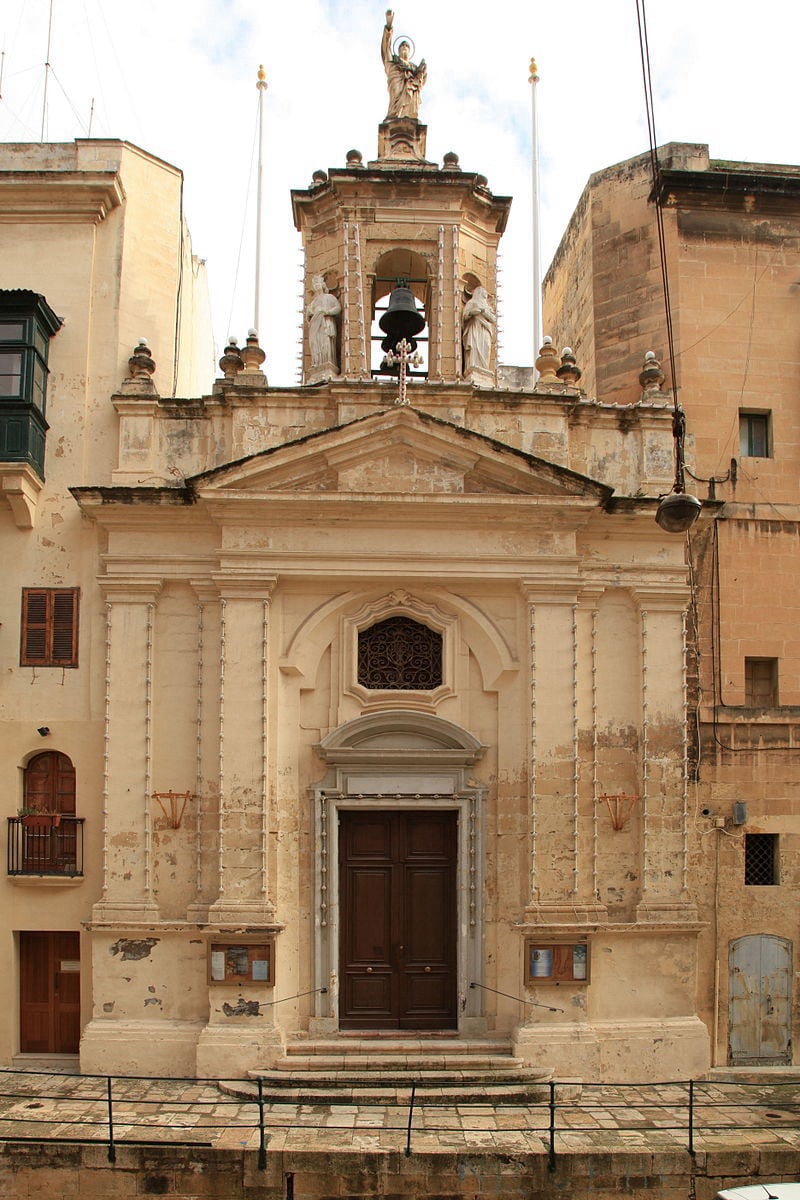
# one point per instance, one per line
(403, 761)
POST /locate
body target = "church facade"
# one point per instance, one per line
(367, 700)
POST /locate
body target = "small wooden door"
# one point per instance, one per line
(398, 920)
(760, 1031)
(49, 992)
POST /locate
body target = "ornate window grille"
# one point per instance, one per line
(400, 654)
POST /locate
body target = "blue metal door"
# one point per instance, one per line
(759, 1031)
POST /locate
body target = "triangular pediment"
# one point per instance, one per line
(397, 452)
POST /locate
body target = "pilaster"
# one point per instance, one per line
(664, 788)
(127, 893)
(242, 858)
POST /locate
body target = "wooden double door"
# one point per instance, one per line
(50, 992)
(398, 912)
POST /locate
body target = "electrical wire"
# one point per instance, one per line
(655, 166)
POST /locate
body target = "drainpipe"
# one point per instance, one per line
(715, 1035)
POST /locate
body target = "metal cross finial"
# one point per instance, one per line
(402, 355)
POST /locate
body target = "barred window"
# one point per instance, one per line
(400, 654)
(761, 859)
(49, 627)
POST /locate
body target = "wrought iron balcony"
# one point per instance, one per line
(45, 844)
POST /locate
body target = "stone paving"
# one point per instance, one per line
(38, 1106)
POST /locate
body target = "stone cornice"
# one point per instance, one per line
(59, 197)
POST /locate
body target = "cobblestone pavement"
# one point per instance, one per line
(593, 1117)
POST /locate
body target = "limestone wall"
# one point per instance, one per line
(185, 1173)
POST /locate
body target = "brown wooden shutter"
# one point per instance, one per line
(34, 627)
(65, 627)
(49, 627)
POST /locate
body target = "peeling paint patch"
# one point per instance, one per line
(108, 1006)
(152, 1000)
(242, 1008)
(132, 949)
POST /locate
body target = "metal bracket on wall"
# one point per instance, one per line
(620, 808)
(173, 806)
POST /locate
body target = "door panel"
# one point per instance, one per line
(398, 906)
(49, 992)
(760, 1001)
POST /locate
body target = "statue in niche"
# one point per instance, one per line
(321, 313)
(478, 323)
(404, 78)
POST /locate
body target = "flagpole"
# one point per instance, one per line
(533, 79)
(262, 87)
(47, 70)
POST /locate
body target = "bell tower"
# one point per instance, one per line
(400, 220)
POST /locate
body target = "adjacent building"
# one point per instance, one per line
(732, 233)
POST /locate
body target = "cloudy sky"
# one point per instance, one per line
(177, 77)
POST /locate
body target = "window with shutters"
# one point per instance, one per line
(49, 627)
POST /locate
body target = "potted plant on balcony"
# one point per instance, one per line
(39, 818)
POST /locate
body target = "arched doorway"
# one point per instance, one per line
(49, 844)
(399, 836)
(49, 784)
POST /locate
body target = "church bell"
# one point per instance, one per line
(401, 320)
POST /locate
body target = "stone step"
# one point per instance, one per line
(50, 1064)
(378, 1061)
(353, 1087)
(391, 1043)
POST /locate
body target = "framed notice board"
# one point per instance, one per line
(556, 962)
(239, 961)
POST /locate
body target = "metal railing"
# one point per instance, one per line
(113, 1110)
(45, 844)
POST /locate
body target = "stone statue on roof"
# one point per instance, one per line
(404, 78)
(321, 313)
(478, 321)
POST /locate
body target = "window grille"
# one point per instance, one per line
(761, 859)
(400, 654)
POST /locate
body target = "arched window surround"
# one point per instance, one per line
(402, 604)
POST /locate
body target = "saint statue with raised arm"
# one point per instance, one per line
(405, 78)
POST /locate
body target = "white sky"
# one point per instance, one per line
(177, 77)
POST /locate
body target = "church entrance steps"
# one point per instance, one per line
(383, 1069)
